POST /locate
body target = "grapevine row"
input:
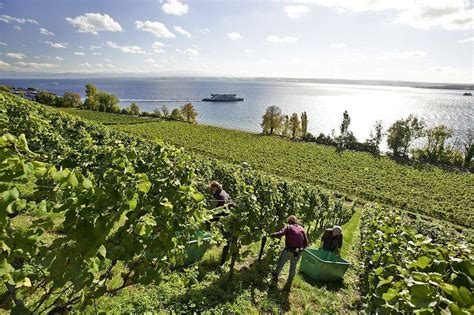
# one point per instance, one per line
(406, 271)
(123, 202)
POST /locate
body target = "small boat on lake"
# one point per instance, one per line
(223, 98)
(467, 94)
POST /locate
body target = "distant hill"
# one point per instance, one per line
(202, 75)
(426, 85)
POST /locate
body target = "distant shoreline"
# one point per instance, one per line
(390, 83)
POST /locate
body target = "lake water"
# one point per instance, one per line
(324, 103)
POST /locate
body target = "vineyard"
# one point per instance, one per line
(407, 271)
(109, 118)
(95, 218)
(420, 188)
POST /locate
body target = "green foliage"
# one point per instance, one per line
(71, 99)
(468, 147)
(346, 139)
(408, 272)
(108, 102)
(402, 133)
(346, 121)
(285, 129)
(157, 113)
(375, 137)
(165, 111)
(295, 126)
(108, 195)
(304, 125)
(134, 109)
(109, 118)
(422, 188)
(100, 101)
(189, 113)
(46, 98)
(272, 120)
(126, 204)
(176, 114)
(436, 148)
(5, 88)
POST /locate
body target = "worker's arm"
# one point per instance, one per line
(279, 234)
(305, 240)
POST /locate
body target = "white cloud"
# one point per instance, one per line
(127, 49)
(46, 32)
(92, 47)
(4, 65)
(466, 40)
(156, 28)
(190, 52)
(35, 66)
(234, 36)
(16, 27)
(56, 45)
(95, 53)
(3, 44)
(337, 45)
(423, 14)
(59, 58)
(182, 31)
(107, 60)
(10, 19)
(94, 22)
(16, 55)
(451, 15)
(204, 31)
(79, 53)
(150, 60)
(413, 54)
(174, 7)
(85, 64)
(295, 11)
(278, 40)
(158, 47)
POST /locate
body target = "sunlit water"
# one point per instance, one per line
(324, 103)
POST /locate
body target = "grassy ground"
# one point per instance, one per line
(420, 188)
(203, 288)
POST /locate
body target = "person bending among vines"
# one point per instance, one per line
(222, 199)
(295, 242)
(332, 239)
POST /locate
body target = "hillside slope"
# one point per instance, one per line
(421, 188)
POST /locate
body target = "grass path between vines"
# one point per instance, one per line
(340, 298)
(203, 289)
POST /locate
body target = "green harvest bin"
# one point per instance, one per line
(321, 265)
(194, 250)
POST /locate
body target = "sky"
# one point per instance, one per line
(409, 40)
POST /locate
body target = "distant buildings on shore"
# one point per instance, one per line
(28, 93)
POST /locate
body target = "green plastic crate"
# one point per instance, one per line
(321, 265)
(195, 250)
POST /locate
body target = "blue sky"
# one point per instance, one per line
(424, 40)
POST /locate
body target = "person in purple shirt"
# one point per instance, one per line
(295, 242)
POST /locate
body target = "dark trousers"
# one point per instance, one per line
(225, 250)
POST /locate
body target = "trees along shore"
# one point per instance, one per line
(440, 147)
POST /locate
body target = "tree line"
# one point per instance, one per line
(440, 145)
(97, 100)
